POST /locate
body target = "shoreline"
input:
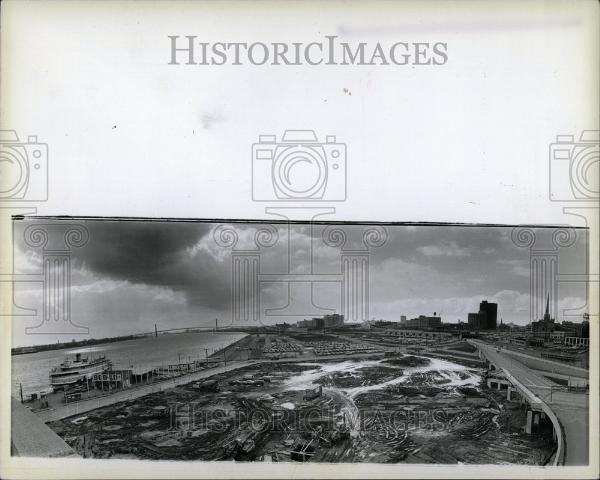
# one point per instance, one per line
(32, 384)
(17, 351)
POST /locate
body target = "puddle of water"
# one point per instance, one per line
(448, 370)
(307, 378)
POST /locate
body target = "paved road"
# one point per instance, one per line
(549, 365)
(30, 437)
(572, 409)
(534, 352)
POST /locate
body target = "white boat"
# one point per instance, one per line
(77, 369)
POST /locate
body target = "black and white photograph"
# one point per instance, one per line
(299, 239)
(302, 342)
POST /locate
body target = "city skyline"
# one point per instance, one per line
(133, 274)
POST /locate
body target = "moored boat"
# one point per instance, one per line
(77, 369)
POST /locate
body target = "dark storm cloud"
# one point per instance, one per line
(154, 254)
(413, 262)
(140, 252)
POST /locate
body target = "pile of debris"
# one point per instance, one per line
(408, 361)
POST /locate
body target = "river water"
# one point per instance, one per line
(32, 369)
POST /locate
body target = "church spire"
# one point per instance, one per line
(547, 314)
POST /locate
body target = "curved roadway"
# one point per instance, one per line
(571, 408)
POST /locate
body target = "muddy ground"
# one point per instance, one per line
(406, 409)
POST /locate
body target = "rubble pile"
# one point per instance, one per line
(361, 377)
(408, 361)
(404, 409)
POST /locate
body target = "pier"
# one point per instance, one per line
(83, 406)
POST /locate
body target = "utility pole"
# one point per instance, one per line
(21, 389)
(206, 350)
(155, 330)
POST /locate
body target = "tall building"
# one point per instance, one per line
(488, 315)
(473, 320)
(486, 318)
(482, 320)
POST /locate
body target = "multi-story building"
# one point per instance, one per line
(422, 321)
(317, 323)
(473, 320)
(575, 329)
(486, 318)
(333, 320)
(305, 323)
(412, 323)
(491, 314)
(426, 323)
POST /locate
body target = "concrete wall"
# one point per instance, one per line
(548, 365)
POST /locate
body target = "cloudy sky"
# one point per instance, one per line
(133, 274)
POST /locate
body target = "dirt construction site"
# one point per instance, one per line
(401, 408)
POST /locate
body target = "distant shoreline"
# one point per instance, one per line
(99, 341)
